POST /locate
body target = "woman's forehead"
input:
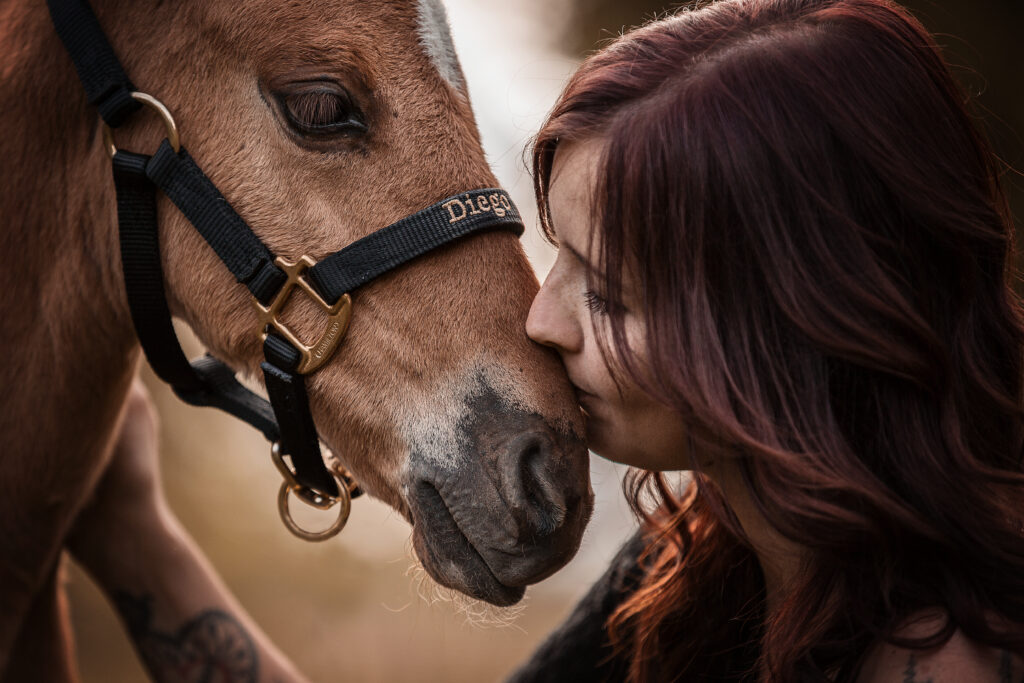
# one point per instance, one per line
(571, 190)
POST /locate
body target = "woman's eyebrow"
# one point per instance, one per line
(579, 257)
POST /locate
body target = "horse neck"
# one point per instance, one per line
(69, 341)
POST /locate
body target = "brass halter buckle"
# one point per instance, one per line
(338, 316)
(312, 357)
(346, 488)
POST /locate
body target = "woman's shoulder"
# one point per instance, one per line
(959, 660)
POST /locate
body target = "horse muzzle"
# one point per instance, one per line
(505, 512)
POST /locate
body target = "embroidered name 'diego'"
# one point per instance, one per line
(459, 208)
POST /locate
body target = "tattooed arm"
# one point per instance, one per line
(183, 621)
(958, 661)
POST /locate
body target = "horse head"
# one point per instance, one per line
(320, 123)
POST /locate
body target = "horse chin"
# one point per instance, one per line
(452, 561)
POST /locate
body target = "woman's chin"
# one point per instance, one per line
(615, 444)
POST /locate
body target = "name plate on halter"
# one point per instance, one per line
(461, 207)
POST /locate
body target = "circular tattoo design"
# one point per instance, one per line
(211, 648)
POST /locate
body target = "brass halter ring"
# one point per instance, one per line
(156, 105)
(346, 486)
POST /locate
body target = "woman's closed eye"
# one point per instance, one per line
(595, 302)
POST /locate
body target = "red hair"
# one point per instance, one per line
(823, 253)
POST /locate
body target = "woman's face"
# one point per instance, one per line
(623, 423)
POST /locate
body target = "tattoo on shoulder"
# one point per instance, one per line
(910, 673)
(1006, 669)
(212, 647)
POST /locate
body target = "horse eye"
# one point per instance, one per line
(323, 111)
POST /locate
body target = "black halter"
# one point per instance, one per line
(285, 420)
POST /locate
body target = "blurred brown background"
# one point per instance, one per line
(347, 609)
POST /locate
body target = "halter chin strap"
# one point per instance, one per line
(285, 420)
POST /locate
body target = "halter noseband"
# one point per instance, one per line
(285, 420)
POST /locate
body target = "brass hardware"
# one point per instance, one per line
(156, 105)
(304, 534)
(312, 498)
(346, 478)
(338, 316)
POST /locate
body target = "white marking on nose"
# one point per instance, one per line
(430, 422)
(436, 39)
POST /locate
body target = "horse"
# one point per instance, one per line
(320, 122)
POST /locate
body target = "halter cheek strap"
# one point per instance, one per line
(285, 420)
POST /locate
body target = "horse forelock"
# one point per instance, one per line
(436, 38)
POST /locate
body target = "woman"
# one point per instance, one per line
(183, 621)
(782, 265)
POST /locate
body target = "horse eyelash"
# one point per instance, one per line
(321, 109)
(315, 108)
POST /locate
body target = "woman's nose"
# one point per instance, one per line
(552, 323)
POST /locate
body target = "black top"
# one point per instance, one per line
(579, 650)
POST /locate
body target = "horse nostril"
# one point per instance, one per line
(538, 503)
